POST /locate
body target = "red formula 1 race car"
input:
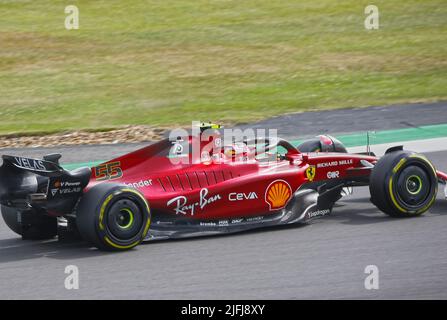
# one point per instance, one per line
(194, 186)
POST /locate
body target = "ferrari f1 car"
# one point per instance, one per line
(170, 190)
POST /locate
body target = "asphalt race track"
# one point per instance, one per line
(322, 260)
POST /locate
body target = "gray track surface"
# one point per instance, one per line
(309, 124)
(324, 259)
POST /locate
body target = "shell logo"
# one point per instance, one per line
(278, 193)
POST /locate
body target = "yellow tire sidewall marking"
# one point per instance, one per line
(396, 169)
(146, 228)
(399, 165)
(428, 205)
(110, 242)
(418, 156)
(393, 199)
(101, 212)
(101, 218)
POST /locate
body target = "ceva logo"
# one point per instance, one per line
(235, 196)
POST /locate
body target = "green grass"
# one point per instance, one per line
(167, 63)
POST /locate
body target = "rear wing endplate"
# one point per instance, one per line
(37, 166)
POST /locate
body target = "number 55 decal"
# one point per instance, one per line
(108, 171)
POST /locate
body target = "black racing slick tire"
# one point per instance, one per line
(30, 225)
(403, 184)
(113, 217)
(10, 216)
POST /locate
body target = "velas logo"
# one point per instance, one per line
(278, 193)
(30, 164)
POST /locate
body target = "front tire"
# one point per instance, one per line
(113, 217)
(403, 184)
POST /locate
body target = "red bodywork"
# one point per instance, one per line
(195, 187)
(230, 186)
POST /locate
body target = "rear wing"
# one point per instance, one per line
(40, 167)
(41, 183)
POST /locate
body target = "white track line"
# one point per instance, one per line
(427, 145)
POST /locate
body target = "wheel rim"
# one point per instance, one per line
(125, 220)
(413, 186)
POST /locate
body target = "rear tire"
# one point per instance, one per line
(33, 226)
(10, 216)
(403, 184)
(113, 217)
